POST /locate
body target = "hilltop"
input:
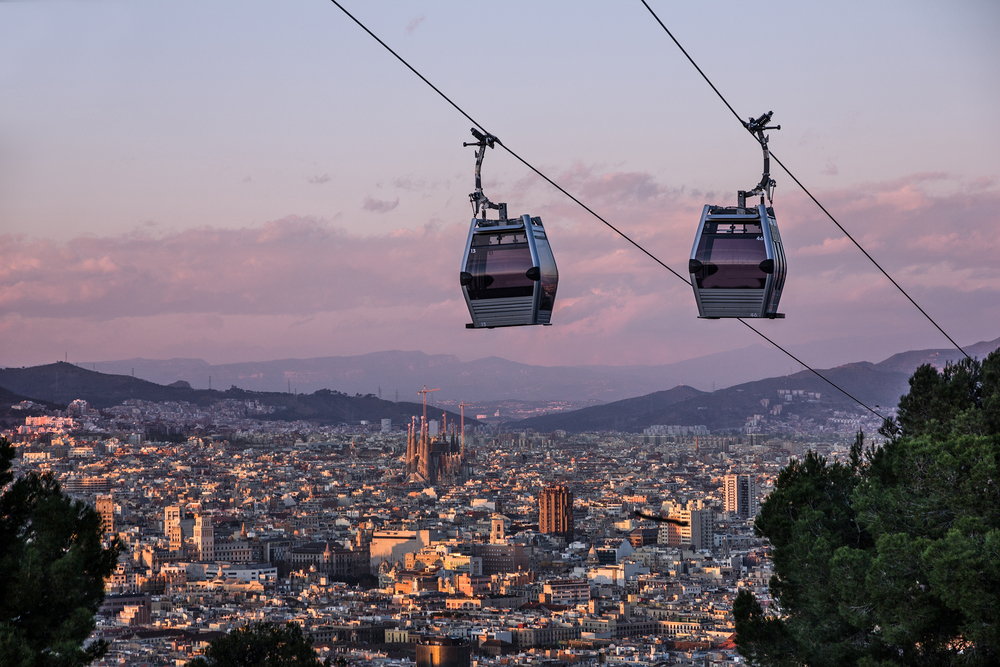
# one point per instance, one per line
(490, 379)
(62, 382)
(877, 385)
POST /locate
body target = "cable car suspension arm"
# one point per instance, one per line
(478, 199)
(756, 127)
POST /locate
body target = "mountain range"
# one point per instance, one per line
(61, 383)
(399, 375)
(878, 386)
(875, 385)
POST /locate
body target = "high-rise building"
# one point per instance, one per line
(106, 508)
(739, 493)
(555, 511)
(699, 531)
(204, 537)
(701, 528)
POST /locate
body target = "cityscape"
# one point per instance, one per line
(448, 334)
(500, 546)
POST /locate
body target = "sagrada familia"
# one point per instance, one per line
(435, 460)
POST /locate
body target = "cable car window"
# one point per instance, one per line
(550, 275)
(508, 238)
(731, 260)
(498, 263)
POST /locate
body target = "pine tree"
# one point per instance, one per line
(894, 558)
(260, 645)
(54, 565)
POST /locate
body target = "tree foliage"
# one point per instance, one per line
(54, 566)
(260, 645)
(892, 558)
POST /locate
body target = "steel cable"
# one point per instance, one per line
(587, 208)
(799, 183)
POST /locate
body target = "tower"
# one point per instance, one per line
(204, 537)
(555, 511)
(700, 528)
(497, 532)
(739, 494)
(106, 508)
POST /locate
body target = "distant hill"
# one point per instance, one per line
(492, 378)
(10, 418)
(497, 379)
(488, 379)
(629, 415)
(907, 362)
(879, 384)
(63, 383)
(9, 398)
(729, 408)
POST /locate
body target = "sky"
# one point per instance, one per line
(240, 181)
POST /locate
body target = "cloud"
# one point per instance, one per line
(592, 184)
(410, 184)
(379, 205)
(301, 286)
(413, 24)
(319, 180)
(828, 247)
(831, 169)
(247, 179)
(983, 183)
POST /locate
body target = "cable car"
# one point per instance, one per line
(737, 264)
(508, 275)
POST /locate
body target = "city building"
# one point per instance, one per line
(500, 558)
(106, 508)
(555, 511)
(570, 592)
(740, 495)
(204, 537)
(432, 459)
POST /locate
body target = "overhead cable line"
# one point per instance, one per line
(799, 183)
(584, 206)
(810, 368)
(507, 148)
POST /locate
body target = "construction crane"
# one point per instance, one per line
(423, 392)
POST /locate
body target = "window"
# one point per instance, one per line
(731, 257)
(498, 264)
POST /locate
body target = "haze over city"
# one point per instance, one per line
(253, 181)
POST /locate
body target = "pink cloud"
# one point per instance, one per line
(299, 286)
(294, 265)
(828, 247)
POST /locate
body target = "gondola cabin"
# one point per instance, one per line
(509, 274)
(737, 263)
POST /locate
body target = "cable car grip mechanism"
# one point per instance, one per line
(756, 127)
(479, 200)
